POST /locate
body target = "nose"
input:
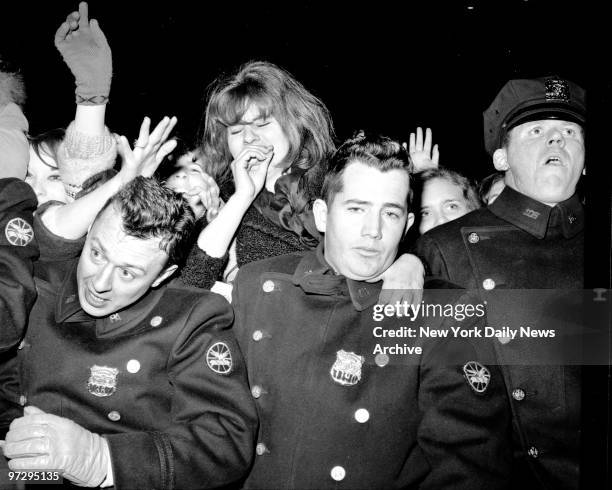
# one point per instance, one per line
(555, 137)
(372, 225)
(39, 190)
(250, 136)
(102, 281)
(441, 219)
(180, 175)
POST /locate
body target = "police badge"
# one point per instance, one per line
(557, 89)
(102, 380)
(346, 370)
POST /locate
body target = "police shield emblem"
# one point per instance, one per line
(477, 375)
(557, 89)
(102, 380)
(18, 232)
(346, 370)
(219, 358)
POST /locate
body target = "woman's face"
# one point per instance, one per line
(256, 130)
(43, 176)
(441, 201)
(189, 178)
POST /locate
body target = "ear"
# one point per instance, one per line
(165, 274)
(319, 210)
(409, 222)
(500, 159)
(584, 170)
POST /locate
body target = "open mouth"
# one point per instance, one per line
(553, 160)
(93, 299)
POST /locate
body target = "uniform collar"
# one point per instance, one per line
(68, 310)
(315, 276)
(538, 219)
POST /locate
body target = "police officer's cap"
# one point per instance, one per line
(524, 100)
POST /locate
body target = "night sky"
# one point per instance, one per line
(381, 68)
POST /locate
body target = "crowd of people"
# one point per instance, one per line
(199, 314)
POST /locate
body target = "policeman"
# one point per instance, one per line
(126, 381)
(18, 248)
(341, 404)
(531, 237)
(17, 251)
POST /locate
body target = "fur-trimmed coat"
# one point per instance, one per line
(13, 126)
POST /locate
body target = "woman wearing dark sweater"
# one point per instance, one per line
(266, 141)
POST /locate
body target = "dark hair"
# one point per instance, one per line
(47, 144)
(467, 188)
(149, 210)
(304, 119)
(170, 163)
(379, 152)
(485, 185)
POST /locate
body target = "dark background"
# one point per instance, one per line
(384, 67)
(376, 65)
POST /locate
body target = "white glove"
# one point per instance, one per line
(41, 441)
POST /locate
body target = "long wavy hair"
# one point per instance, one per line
(304, 119)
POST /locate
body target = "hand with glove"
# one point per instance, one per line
(41, 441)
(88, 55)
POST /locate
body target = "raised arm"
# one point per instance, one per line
(422, 154)
(249, 170)
(72, 220)
(88, 147)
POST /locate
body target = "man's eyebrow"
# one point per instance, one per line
(369, 203)
(394, 205)
(359, 202)
(122, 265)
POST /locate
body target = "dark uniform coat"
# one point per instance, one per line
(335, 414)
(163, 381)
(519, 243)
(17, 251)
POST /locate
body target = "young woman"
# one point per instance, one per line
(444, 195)
(267, 140)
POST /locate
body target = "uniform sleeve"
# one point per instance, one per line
(201, 270)
(430, 254)
(211, 439)
(82, 155)
(465, 431)
(18, 249)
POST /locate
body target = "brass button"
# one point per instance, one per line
(256, 392)
(268, 286)
(133, 366)
(23, 400)
(261, 449)
(488, 284)
(156, 321)
(338, 473)
(114, 416)
(381, 360)
(257, 335)
(533, 452)
(362, 415)
(518, 394)
(473, 238)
